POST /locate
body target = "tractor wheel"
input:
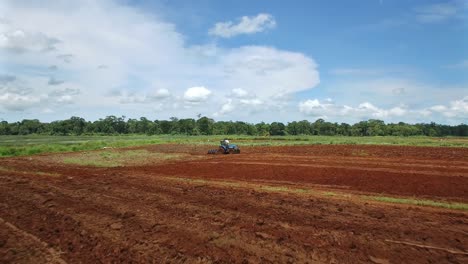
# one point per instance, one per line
(222, 151)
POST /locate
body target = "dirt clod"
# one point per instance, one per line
(116, 226)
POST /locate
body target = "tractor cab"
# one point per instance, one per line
(225, 147)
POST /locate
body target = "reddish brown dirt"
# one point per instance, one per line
(144, 214)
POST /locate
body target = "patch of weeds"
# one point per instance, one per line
(448, 205)
(47, 174)
(283, 189)
(329, 193)
(274, 188)
(111, 158)
(359, 153)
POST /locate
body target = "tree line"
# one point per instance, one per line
(113, 125)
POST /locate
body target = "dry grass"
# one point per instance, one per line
(114, 158)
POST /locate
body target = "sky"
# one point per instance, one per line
(343, 61)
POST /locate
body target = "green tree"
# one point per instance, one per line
(277, 129)
(205, 125)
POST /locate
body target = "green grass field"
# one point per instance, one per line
(35, 144)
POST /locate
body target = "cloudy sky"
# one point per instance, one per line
(343, 61)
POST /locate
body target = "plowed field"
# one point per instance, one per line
(175, 204)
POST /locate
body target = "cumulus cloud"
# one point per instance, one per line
(245, 25)
(316, 108)
(17, 40)
(226, 108)
(268, 72)
(328, 109)
(18, 102)
(367, 109)
(161, 94)
(197, 94)
(18, 96)
(254, 102)
(126, 97)
(388, 90)
(457, 110)
(104, 46)
(239, 93)
(65, 91)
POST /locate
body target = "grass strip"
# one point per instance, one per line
(309, 191)
(35, 144)
(111, 158)
(419, 202)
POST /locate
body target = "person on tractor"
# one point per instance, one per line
(225, 142)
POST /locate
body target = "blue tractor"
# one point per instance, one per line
(225, 148)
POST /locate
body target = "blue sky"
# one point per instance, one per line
(343, 61)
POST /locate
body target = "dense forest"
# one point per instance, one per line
(113, 125)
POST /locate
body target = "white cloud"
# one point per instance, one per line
(161, 93)
(18, 102)
(18, 97)
(460, 105)
(438, 108)
(388, 90)
(226, 108)
(316, 108)
(254, 102)
(328, 109)
(196, 94)
(16, 40)
(457, 110)
(368, 110)
(246, 25)
(239, 93)
(141, 51)
(268, 72)
(125, 97)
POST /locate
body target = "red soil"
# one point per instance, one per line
(144, 214)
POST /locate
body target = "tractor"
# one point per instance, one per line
(225, 148)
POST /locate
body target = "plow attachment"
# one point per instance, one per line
(222, 150)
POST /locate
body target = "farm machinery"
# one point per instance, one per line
(225, 148)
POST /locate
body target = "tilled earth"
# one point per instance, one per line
(207, 209)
